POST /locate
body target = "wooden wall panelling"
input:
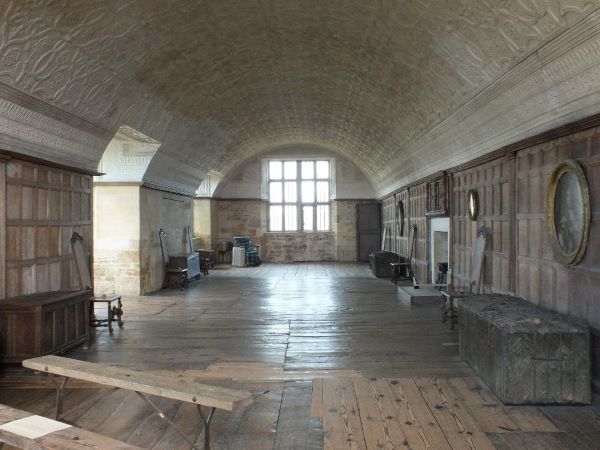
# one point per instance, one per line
(387, 214)
(417, 213)
(539, 277)
(493, 182)
(44, 207)
(402, 241)
(437, 197)
(3, 241)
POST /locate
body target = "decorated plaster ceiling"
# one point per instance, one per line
(218, 81)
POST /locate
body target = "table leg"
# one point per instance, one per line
(120, 309)
(59, 396)
(110, 317)
(206, 420)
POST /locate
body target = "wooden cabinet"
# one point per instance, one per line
(42, 324)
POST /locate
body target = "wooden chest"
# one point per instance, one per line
(526, 354)
(190, 262)
(42, 324)
(379, 263)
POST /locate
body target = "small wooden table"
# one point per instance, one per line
(115, 313)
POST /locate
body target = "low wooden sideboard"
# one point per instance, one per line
(42, 324)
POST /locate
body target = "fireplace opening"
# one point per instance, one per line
(438, 246)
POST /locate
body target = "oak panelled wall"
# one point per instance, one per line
(493, 182)
(415, 201)
(44, 206)
(519, 260)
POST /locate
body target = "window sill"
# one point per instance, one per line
(271, 233)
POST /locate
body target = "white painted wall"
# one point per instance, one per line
(437, 224)
(245, 180)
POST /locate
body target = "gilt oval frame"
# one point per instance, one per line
(575, 256)
(400, 217)
(472, 193)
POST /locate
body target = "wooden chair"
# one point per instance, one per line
(115, 312)
(170, 270)
(450, 297)
(407, 263)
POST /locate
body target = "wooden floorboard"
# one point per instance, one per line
(332, 356)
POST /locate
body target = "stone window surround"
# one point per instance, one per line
(265, 188)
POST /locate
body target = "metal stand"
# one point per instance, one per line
(58, 412)
(205, 421)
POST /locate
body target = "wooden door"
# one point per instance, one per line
(368, 229)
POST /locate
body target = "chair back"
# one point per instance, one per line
(477, 261)
(81, 261)
(190, 239)
(162, 236)
(410, 250)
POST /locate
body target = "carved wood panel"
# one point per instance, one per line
(417, 201)
(540, 278)
(437, 197)
(493, 182)
(44, 207)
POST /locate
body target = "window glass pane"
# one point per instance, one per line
(289, 170)
(323, 191)
(308, 221)
(275, 218)
(322, 169)
(323, 218)
(308, 170)
(308, 191)
(291, 192)
(291, 218)
(275, 194)
(275, 170)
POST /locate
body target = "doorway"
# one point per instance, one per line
(367, 229)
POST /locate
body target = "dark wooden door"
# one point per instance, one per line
(368, 229)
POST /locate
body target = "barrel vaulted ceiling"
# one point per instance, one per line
(401, 87)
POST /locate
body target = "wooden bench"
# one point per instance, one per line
(24, 430)
(144, 384)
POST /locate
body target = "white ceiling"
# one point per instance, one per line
(216, 82)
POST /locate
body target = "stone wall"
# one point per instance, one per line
(117, 239)
(203, 223)
(239, 218)
(171, 212)
(296, 247)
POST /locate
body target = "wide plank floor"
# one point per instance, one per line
(334, 359)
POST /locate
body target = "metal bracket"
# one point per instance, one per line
(205, 420)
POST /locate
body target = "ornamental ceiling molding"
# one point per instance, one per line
(368, 79)
(25, 131)
(556, 85)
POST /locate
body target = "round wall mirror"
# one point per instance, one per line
(472, 204)
(400, 217)
(568, 212)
